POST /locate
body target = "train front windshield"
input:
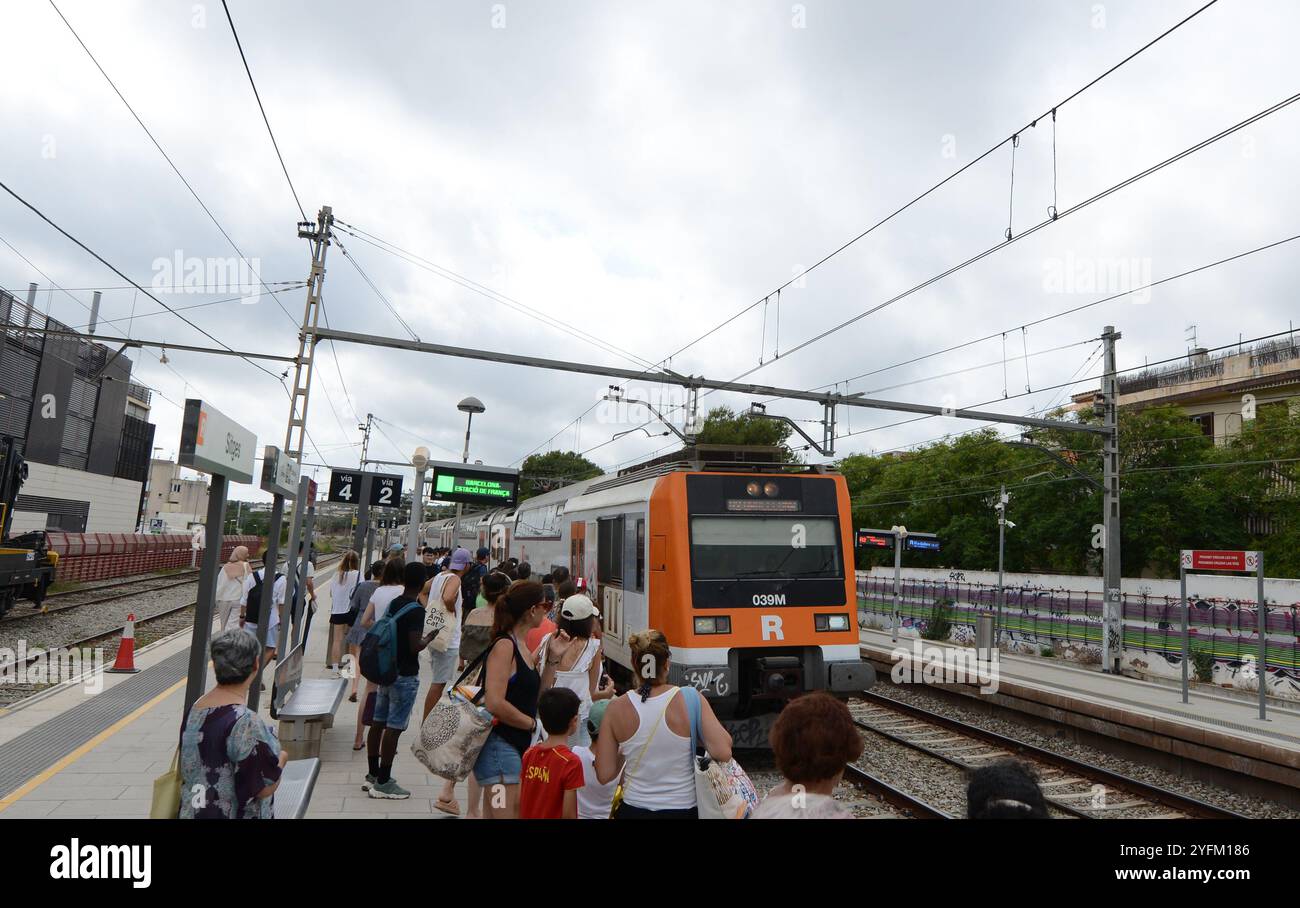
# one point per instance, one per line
(751, 547)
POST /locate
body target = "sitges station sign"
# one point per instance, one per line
(212, 442)
(474, 484)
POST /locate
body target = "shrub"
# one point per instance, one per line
(939, 627)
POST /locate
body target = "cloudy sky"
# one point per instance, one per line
(629, 175)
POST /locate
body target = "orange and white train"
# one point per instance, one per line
(747, 569)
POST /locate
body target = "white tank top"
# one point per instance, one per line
(664, 778)
(578, 678)
(435, 601)
(231, 589)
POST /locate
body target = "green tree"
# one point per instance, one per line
(546, 472)
(723, 426)
(1175, 494)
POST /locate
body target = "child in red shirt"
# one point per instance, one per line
(552, 774)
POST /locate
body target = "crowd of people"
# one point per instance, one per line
(565, 742)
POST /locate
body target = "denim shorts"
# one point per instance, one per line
(393, 703)
(498, 762)
(444, 665)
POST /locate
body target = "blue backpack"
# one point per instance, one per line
(378, 661)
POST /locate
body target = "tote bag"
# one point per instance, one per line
(167, 792)
(723, 791)
(457, 727)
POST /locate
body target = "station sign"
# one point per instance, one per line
(1215, 560)
(345, 486)
(474, 485)
(922, 544)
(280, 473)
(385, 488)
(872, 539)
(212, 442)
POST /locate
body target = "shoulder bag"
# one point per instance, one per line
(456, 728)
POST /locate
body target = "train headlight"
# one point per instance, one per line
(771, 490)
(714, 624)
(753, 489)
(837, 622)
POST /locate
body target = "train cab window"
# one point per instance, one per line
(609, 550)
(758, 548)
(640, 555)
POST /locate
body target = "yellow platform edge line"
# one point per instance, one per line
(46, 774)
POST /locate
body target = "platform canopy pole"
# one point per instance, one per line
(211, 443)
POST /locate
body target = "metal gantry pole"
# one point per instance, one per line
(296, 432)
(460, 508)
(414, 542)
(897, 614)
(1002, 587)
(1182, 605)
(1261, 622)
(197, 680)
(1112, 639)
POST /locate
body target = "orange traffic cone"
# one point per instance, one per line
(125, 663)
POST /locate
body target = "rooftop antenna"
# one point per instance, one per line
(1189, 335)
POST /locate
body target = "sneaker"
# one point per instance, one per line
(390, 790)
(368, 783)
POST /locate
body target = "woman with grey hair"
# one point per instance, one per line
(230, 760)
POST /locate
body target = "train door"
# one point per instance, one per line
(577, 548)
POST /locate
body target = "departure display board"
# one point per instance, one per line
(474, 484)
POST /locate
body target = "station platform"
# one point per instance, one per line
(1215, 736)
(70, 753)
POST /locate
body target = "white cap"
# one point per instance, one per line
(577, 607)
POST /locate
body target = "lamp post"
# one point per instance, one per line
(900, 534)
(468, 406)
(419, 460)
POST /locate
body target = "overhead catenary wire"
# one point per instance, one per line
(956, 173)
(918, 198)
(487, 292)
(172, 164)
(256, 94)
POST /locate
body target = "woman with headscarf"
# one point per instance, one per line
(233, 581)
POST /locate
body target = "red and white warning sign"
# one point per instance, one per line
(1215, 560)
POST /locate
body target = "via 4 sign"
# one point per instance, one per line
(385, 488)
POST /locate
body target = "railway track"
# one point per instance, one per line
(1071, 787)
(137, 586)
(906, 806)
(148, 629)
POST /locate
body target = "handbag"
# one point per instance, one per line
(618, 792)
(167, 792)
(455, 730)
(723, 791)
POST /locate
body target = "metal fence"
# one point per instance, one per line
(1225, 628)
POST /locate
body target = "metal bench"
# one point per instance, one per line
(304, 708)
(296, 784)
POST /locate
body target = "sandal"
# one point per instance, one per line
(353, 698)
(452, 807)
(360, 746)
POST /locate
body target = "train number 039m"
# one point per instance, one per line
(769, 599)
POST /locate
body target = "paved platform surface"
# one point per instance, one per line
(72, 753)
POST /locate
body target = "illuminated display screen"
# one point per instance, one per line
(762, 504)
(922, 544)
(874, 541)
(469, 486)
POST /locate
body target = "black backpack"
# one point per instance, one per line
(253, 608)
